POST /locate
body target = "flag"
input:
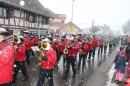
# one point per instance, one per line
(71, 29)
(92, 24)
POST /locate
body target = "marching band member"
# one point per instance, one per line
(83, 53)
(20, 59)
(36, 38)
(6, 59)
(73, 48)
(90, 48)
(80, 38)
(27, 44)
(101, 44)
(32, 43)
(62, 46)
(94, 44)
(56, 43)
(47, 61)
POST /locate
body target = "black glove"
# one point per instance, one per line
(44, 58)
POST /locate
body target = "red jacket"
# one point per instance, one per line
(51, 55)
(55, 43)
(74, 49)
(32, 42)
(85, 49)
(90, 45)
(6, 63)
(27, 43)
(101, 41)
(95, 43)
(63, 45)
(80, 39)
(20, 52)
(36, 40)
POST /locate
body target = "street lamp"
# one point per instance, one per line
(22, 3)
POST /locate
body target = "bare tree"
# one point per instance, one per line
(126, 27)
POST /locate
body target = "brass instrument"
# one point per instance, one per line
(15, 39)
(65, 52)
(43, 47)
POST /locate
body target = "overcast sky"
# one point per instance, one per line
(110, 12)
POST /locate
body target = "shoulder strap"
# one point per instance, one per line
(5, 46)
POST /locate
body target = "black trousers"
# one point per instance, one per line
(100, 48)
(57, 53)
(93, 51)
(32, 52)
(82, 57)
(27, 56)
(45, 73)
(59, 56)
(110, 46)
(70, 61)
(90, 52)
(5, 84)
(20, 65)
(105, 48)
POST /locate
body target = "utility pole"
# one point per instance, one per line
(72, 10)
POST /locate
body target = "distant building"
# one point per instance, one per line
(69, 28)
(57, 22)
(32, 16)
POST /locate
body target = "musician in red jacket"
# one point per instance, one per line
(101, 44)
(80, 38)
(73, 48)
(20, 59)
(94, 44)
(55, 44)
(89, 42)
(47, 59)
(62, 46)
(6, 59)
(27, 44)
(83, 53)
(36, 38)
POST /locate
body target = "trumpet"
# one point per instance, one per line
(40, 54)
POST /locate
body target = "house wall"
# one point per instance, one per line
(56, 23)
(66, 29)
(19, 22)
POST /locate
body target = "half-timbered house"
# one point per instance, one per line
(32, 16)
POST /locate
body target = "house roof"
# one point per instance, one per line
(61, 15)
(70, 23)
(33, 6)
(52, 13)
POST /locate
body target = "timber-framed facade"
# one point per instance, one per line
(32, 16)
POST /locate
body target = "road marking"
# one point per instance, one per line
(110, 74)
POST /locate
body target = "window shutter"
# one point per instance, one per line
(43, 20)
(9, 13)
(35, 18)
(27, 16)
(47, 21)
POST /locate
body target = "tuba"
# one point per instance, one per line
(15, 39)
(44, 45)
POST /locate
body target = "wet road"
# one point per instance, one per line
(82, 77)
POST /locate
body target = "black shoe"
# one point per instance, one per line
(73, 76)
(117, 81)
(14, 81)
(64, 77)
(24, 79)
(125, 82)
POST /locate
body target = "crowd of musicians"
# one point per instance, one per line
(15, 51)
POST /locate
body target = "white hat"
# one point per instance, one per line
(3, 31)
(26, 32)
(48, 44)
